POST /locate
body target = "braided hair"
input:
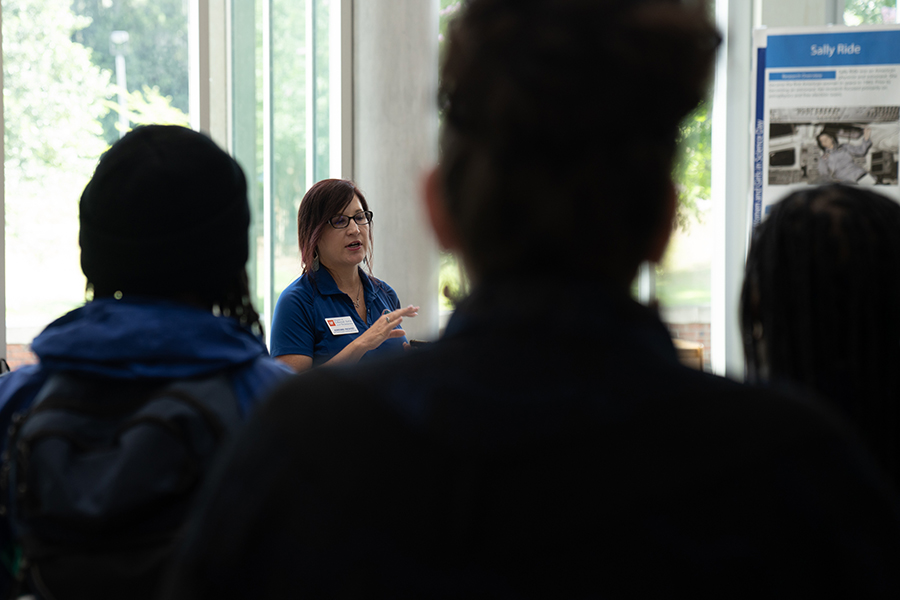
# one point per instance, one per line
(233, 300)
(819, 306)
(166, 215)
(229, 297)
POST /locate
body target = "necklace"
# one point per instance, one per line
(358, 290)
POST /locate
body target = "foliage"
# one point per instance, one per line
(449, 8)
(52, 93)
(452, 281)
(148, 106)
(693, 167)
(291, 107)
(157, 49)
(860, 12)
(53, 97)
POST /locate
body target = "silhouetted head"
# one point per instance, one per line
(560, 126)
(819, 305)
(166, 215)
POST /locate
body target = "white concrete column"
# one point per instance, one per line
(395, 72)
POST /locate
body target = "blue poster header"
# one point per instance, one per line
(833, 49)
(802, 75)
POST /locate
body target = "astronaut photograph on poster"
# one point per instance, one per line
(850, 144)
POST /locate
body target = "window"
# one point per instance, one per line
(870, 12)
(683, 278)
(681, 283)
(76, 75)
(286, 113)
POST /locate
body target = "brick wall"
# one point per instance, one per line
(694, 332)
(18, 355)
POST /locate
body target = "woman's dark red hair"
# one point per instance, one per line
(324, 200)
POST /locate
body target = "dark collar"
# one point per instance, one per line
(575, 307)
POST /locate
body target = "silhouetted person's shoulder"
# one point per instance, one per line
(536, 451)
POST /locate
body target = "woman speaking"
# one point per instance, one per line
(336, 312)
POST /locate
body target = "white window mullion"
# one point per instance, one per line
(198, 64)
(730, 182)
(267, 266)
(340, 86)
(310, 99)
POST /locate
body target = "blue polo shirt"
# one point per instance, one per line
(300, 324)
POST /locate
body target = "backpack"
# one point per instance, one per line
(98, 477)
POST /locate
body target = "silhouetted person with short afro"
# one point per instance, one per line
(550, 445)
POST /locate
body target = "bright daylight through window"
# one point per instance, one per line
(79, 72)
(74, 73)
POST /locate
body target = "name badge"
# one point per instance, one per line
(341, 325)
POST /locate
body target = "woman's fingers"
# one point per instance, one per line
(395, 333)
(409, 311)
(395, 322)
(388, 325)
(396, 316)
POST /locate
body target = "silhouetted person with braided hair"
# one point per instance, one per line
(820, 306)
(164, 235)
(550, 444)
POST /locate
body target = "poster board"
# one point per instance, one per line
(826, 107)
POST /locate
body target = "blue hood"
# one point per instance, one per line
(133, 338)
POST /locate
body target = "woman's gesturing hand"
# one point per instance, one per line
(386, 327)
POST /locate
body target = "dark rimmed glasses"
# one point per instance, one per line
(343, 221)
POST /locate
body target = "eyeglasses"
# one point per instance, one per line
(342, 221)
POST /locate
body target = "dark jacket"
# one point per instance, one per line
(549, 446)
(137, 340)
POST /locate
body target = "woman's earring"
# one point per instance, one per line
(315, 262)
